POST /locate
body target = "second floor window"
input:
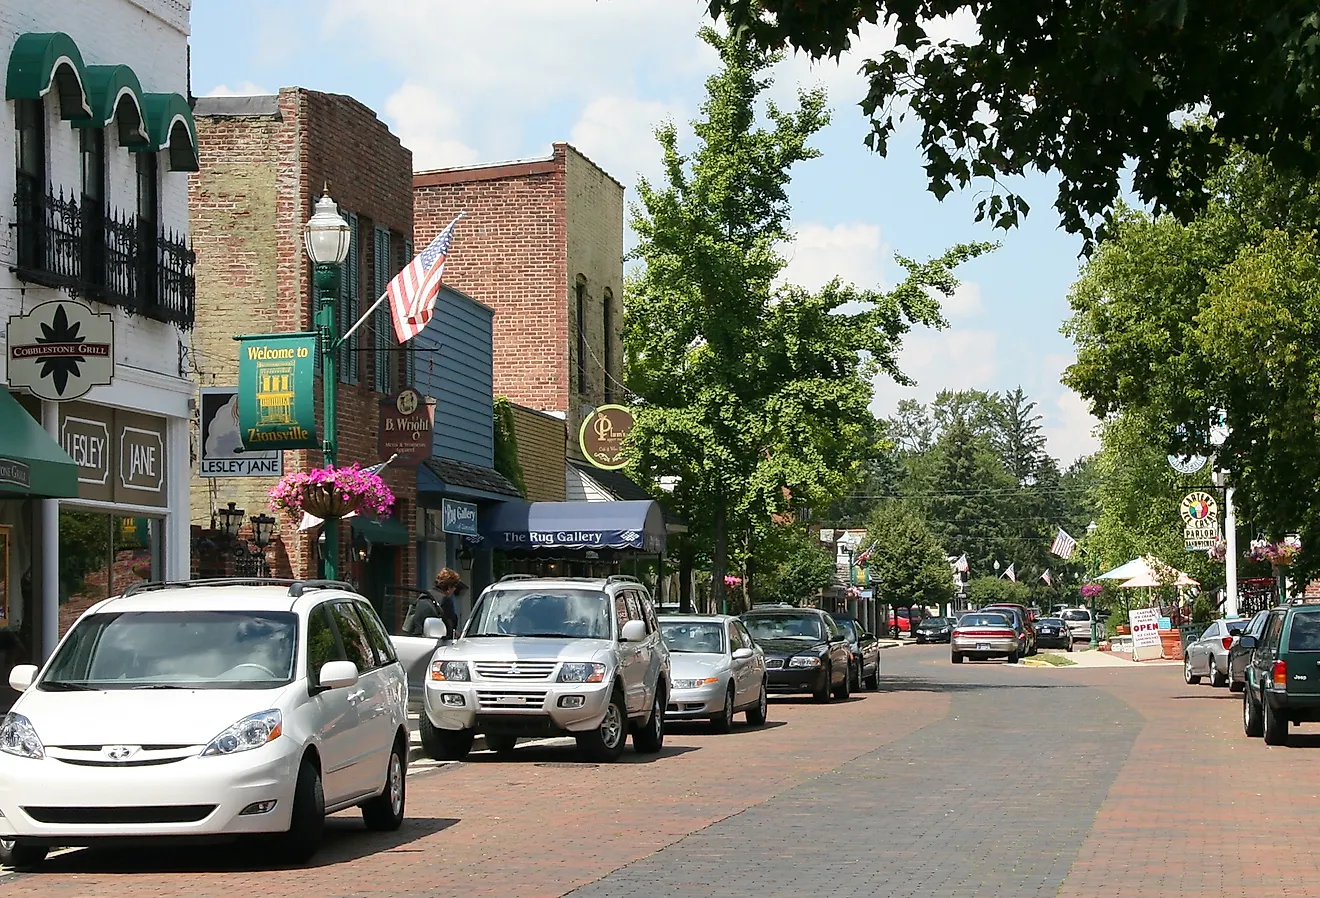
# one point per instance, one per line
(347, 310)
(31, 138)
(31, 192)
(607, 348)
(382, 271)
(148, 210)
(581, 335)
(92, 144)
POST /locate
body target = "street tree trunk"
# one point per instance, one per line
(686, 551)
(719, 561)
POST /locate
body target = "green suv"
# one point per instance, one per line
(1283, 673)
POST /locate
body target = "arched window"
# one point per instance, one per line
(581, 335)
(607, 353)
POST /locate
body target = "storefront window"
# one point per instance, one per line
(101, 555)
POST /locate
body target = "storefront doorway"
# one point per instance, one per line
(101, 555)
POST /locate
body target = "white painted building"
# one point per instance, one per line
(98, 138)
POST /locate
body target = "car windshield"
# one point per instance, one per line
(784, 626)
(984, 620)
(549, 613)
(1077, 615)
(698, 638)
(176, 650)
(1305, 634)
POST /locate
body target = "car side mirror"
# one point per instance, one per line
(21, 677)
(435, 628)
(338, 675)
(742, 654)
(1246, 642)
(633, 631)
(839, 638)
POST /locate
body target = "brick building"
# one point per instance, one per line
(542, 245)
(265, 160)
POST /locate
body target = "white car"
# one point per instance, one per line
(1078, 621)
(206, 709)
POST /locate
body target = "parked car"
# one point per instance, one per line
(805, 651)
(206, 709)
(1022, 622)
(865, 653)
(1053, 633)
(1239, 657)
(986, 634)
(718, 671)
(935, 629)
(1078, 621)
(415, 652)
(585, 660)
(900, 620)
(1282, 682)
(1207, 656)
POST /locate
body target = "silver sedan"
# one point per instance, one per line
(717, 671)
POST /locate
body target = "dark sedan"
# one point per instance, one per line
(936, 629)
(1238, 657)
(865, 650)
(805, 651)
(1053, 633)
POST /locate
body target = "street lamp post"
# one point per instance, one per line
(1090, 567)
(327, 239)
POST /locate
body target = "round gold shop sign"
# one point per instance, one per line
(602, 433)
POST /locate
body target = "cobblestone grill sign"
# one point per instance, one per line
(60, 350)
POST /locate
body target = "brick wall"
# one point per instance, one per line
(260, 175)
(541, 444)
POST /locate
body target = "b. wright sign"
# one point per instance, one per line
(406, 421)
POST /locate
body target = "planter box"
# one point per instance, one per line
(1124, 630)
(1172, 643)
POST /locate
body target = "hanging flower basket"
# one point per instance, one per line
(329, 493)
(1280, 554)
(732, 581)
(1090, 590)
(1218, 550)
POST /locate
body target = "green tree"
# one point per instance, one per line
(791, 565)
(506, 445)
(1081, 89)
(1018, 437)
(908, 566)
(968, 494)
(754, 394)
(982, 591)
(975, 410)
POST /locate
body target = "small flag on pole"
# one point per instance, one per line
(1011, 573)
(1049, 580)
(413, 291)
(866, 554)
(1063, 545)
(961, 565)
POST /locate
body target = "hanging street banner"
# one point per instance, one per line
(601, 436)
(60, 350)
(1200, 514)
(223, 454)
(406, 421)
(276, 397)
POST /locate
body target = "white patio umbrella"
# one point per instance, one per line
(1134, 568)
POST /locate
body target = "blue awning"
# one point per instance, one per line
(515, 525)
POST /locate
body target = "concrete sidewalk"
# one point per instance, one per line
(1094, 658)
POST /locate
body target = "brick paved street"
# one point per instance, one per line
(976, 780)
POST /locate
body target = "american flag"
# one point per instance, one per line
(1049, 580)
(1063, 545)
(1011, 573)
(961, 565)
(866, 555)
(413, 291)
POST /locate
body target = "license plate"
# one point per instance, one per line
(983, 645)
(510, 700)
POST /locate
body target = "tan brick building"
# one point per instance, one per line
(542, 244)
(265, 160)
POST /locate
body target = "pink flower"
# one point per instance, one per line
(366, 491)
(1090, 590)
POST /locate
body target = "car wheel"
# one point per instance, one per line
(651, 737)
(20, 855)
(384, 813)
(873, 681)
(822, 694)
(1274, 724)
(307, 820)
(758, 715)
(956, 657)
(500, 743)
(1251, 722)
(724, 722)
(1217, 679)
(844, 692)
(444, 745)
(1189, 678)
(605, 743)
(856, 678)
(1012, 657)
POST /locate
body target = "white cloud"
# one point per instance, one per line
(428, 126)
(246, 89)
(855, 252)
(618, 134)
(953, 359)
(964, 303)
(1070, 429)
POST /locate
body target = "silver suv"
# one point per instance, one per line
(551, 656)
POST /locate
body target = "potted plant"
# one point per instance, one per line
(329, 493)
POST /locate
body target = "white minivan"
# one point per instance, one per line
(206, 708)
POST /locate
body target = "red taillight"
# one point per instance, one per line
(1228, 642)
(1279, 674)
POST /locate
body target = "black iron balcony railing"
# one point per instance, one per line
(116, 259)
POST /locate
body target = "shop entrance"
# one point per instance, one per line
(101, 555)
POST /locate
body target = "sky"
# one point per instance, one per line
(464, 82)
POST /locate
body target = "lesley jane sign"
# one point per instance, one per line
(223, 454)
(276, 403)
(121, 455)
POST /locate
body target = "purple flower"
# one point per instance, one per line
(365, 491)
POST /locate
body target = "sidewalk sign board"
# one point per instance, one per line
(1145, 624)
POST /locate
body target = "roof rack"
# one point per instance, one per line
(296, 587)
(517, 577)
(621, 578)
